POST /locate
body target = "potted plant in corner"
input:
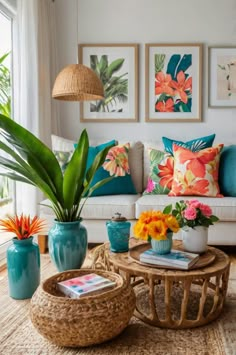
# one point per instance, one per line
(194, 219)
(32, 162)
(23, 260)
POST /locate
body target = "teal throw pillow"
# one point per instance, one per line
(194, 145)
(116, 163)
(227, 171)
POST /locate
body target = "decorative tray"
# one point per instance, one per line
(204, 259)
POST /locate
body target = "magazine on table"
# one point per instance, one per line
(178, 258)
(85, 285)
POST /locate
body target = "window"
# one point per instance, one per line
(7, 204)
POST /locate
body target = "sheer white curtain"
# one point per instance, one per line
(35, 68)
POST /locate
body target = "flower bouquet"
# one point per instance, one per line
(194, 219)
(192, 213)
(23, 227)
(23, 259)
(157, 227)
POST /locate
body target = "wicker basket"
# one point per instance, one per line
(81, 322)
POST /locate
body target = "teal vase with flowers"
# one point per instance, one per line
(157, 227)
(23, 258)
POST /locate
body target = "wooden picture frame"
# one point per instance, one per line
(222, 77)
(117, 66)
(173, 82)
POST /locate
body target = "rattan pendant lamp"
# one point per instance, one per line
(77, 82)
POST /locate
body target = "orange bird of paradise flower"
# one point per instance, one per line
(23, 227)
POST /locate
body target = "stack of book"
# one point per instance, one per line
(176, 258)
(85, 285)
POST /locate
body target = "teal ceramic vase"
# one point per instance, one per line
(162, 246)
(23, 265)
(67, 242)
(118, 230)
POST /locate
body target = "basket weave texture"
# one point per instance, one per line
(85, 321)
(77, 82)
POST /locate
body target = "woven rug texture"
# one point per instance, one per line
(19, 337)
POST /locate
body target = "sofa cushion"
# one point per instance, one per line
(224, 208)
(116, 164)
(101, 207)
(161, 172)
(196, 173)
(135, 155)
(146, 160)
(62, 144)
(227, 171)
(194, 145)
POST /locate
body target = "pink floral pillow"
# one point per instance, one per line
(196, 173)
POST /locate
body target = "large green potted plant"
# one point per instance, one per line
(32, 162)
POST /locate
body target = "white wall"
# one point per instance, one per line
(211, 22)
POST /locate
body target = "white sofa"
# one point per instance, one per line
(99, 209)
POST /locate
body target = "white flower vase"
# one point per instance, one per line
(195, 239)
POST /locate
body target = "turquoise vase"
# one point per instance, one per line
(118, 234)
(162, 246)
(23, 265)
(67, 244)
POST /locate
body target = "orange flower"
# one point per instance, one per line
(167, 106)
(166, 173)
(181, 86)
(155, 224)
(23, 227)
(162, 84)
(158, 230)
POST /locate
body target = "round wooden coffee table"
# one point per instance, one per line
(171, 298)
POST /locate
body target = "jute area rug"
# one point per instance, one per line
(18, 336)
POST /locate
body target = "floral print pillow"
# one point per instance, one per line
(63, 158)
(196, 173)
(116, 162)
(161, 172)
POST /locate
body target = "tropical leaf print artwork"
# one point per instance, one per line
(173, 83)
(114, 81)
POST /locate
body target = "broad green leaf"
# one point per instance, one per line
(167, 209)
(37, 154)
(159, 62)
(74, 173)
(97, 163)
(172, 65)
(115, 66)
(185, 63)
(103, 65)
(184, 107)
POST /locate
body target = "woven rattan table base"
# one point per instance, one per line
(171, 310)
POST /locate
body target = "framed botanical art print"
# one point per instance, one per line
(222, 77)
(117, 67)
(173, 82)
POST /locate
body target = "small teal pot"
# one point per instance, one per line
(162, 246)
(67, 244)
(118, 230)
(23, 265)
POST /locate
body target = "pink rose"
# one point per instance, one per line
(206, 210)
(190, 213)
(194, 203)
